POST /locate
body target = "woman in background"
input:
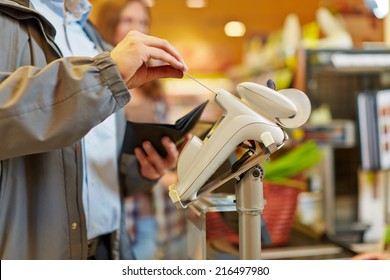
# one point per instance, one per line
(157, 228)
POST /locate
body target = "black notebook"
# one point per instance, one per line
(137, 133)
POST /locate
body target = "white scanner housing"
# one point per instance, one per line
(257, 115)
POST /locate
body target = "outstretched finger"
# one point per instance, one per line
(165, 56)
(166, 46)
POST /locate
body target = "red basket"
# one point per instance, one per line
(278, 214)
(279, 211)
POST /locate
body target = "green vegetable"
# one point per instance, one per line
(292, 163)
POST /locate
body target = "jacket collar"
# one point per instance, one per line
(25, 3)
(21, 10)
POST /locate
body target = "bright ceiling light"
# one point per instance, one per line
(235, 29)
(196, 3)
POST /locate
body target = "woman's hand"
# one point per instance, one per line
(152, 165)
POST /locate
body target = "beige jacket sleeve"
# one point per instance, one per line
(42, 109)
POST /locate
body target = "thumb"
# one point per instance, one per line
(145, 74)
(163, 71)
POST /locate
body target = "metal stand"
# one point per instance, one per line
(250, 205)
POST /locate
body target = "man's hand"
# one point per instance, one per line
(152, 165)
(132, 54)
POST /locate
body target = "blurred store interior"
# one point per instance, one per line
(337, 52)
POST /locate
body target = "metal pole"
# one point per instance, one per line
(250, 205)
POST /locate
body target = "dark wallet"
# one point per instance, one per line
(137, 133)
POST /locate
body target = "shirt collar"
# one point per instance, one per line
(78, 9)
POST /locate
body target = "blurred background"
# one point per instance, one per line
(199, 32)
(333, 50)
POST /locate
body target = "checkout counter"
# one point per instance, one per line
(221, 242)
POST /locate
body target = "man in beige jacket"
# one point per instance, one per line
(49, 104)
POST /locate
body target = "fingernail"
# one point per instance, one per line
(166, 139)
(147, 144)
(185, 67)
